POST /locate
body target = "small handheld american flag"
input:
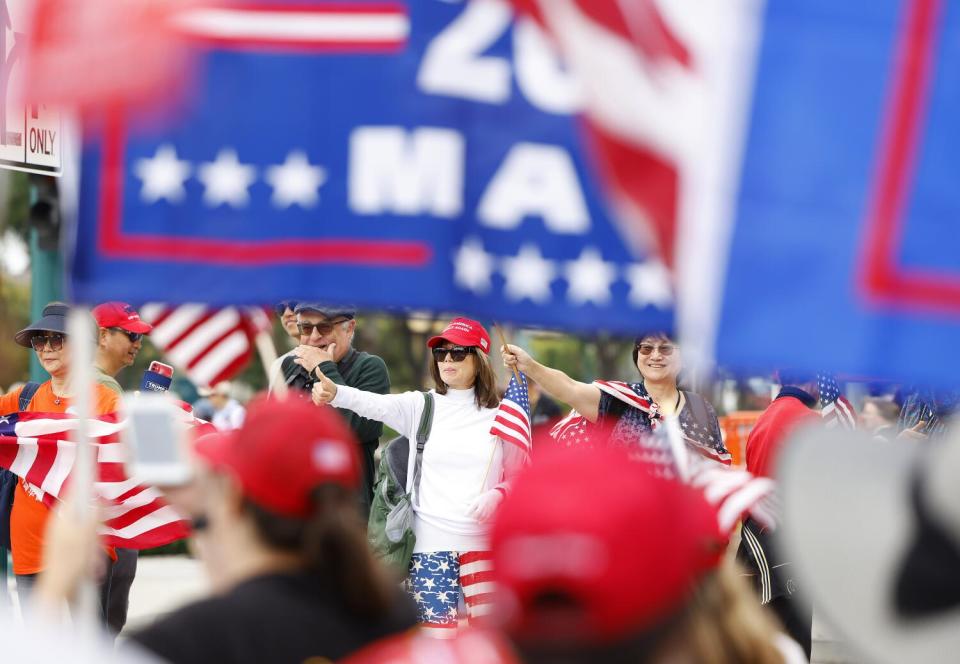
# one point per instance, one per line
(836, 410)
(512, 423)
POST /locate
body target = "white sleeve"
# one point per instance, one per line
(400, 412)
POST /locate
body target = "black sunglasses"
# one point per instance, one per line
(39, 341)
(283, 305)
(456, 353)
(323, 328)
(134, 337)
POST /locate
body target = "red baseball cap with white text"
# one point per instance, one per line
(122, 315)
(465, 332)
(590, 547)
(285, 449)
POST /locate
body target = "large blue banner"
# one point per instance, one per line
(431, 162)
(845, 251)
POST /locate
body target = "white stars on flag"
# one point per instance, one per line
(473, 266)
(296, 181)
(162, 175)
(227, 179)
(588, 279)
(528, 275)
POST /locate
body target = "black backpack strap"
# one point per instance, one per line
(26, 394)
(423, 433)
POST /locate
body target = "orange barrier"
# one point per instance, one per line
(736, 427)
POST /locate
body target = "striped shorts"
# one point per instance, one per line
(439, 578)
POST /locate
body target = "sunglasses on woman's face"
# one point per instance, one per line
(280, 307)
(40, 341)
(134, 337)
(322, 329)
(665, 349)
(456, 353)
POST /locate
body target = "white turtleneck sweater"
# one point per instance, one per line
(455, 460)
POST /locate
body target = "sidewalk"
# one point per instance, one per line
(164, 583)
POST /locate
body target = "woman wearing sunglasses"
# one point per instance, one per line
(465, 469)
(630, 412)
(28, 515)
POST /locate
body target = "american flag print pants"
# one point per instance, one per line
(437, 579)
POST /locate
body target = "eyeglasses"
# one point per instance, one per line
(322, 329)
(281, 307)
(40, 341)
(665, 349)
(456, 353)
(134, 337)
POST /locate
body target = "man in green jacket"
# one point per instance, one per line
(326, 342)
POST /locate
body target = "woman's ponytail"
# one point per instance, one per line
(332, 545)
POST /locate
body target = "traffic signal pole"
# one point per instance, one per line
(46, 267)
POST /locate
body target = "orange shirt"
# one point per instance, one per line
(28, 518)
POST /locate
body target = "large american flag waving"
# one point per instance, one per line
(38, 449)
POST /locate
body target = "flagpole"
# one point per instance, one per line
(268, 355)
(503, 342)
(516, 374)
(82, 386)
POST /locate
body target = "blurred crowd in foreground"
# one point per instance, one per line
(622, 532)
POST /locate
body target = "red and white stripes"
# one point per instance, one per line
(476, 578)
(207, 344)
(328, 26)
(40, 452)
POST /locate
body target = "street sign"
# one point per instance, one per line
(31, 136)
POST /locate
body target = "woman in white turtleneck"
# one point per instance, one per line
(465, 469)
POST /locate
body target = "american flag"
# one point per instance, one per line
(512, 422)
(735, 493)
(36, 447)
(836, 410)
(207, 344)
(631, 63)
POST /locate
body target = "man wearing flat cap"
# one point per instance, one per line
(326, 342)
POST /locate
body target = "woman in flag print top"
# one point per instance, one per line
(466, 469)
(631, 413)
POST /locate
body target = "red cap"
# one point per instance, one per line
(464, 332)
(122, 315)
(284, 450)
(621, 546)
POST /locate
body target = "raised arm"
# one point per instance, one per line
(400, 412)
(583, 397)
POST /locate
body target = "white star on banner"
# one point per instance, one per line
(649, 285)
(295, 181)
(528, 275)
(473, 266)
(226, 180)
(162, 175)
(589, 278)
